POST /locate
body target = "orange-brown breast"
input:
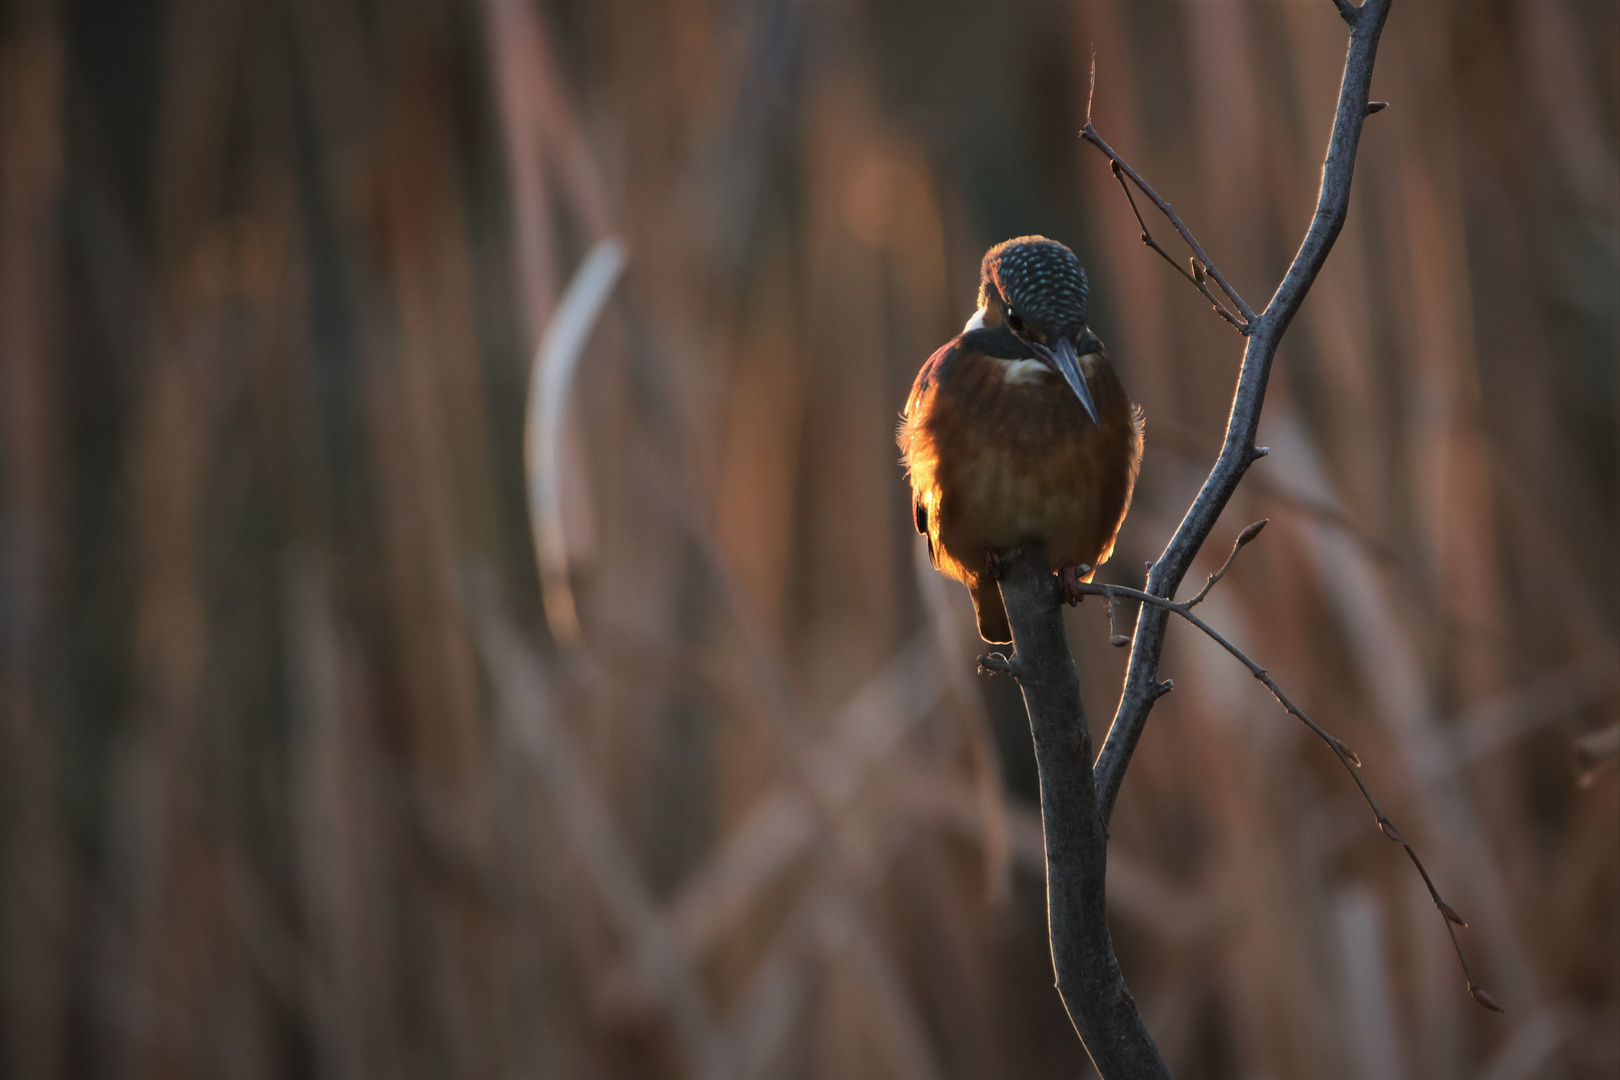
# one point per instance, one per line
(996, 461)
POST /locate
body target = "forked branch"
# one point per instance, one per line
(1197, 273)
(1238, 452)
(1076, 800)
(1347, 757)
(1201, 262)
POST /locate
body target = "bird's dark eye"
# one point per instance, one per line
(1014, 321)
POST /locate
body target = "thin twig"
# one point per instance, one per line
(1184, 609)
(1089, 134)
(1091, 91)
(1244, 537)
(1347, 11)
(1115, 638)
(1196, 276)
(1346, 756)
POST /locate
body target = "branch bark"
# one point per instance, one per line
(1238, 451)
(1088, 977)
(1077, 799)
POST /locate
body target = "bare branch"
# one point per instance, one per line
(1089, 134)
(1088, 976)
(1196, 276)
(1243, 538)
(1238, 451)
(1077, 801)
(1184, 609)
(1346, 756)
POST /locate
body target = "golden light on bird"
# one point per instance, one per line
(1017, 431)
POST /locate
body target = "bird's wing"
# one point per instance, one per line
(926, 382)
(928, 376)
(997, 342)
(919, 515)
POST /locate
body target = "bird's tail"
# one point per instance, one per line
(992, 613)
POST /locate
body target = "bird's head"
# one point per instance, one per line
(1036, 288)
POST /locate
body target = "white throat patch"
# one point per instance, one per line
(1024, 371)
(975, 323)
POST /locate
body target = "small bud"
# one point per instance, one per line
(1391, 831)
(1485, 999)
(1251, 532)
(1119, 641)
(997, 664)
(1450, 912)
(1379, 106)
(1260, 452)
(1114, 165)
(1165, 687)
(1347, 753)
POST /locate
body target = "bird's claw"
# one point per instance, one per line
(995, 564)
(1069, 581)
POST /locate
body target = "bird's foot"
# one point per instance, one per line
(1069, 581)
(995, 564)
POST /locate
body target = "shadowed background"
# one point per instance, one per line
(299, 775)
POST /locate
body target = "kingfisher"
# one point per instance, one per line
(1018, 430)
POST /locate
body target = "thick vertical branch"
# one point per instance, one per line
(1088, 976)
(1239, 452)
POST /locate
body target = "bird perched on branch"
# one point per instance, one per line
(1018, 430)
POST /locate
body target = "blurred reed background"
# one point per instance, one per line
(297, 777)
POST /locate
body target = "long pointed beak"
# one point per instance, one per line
(1065, 363)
